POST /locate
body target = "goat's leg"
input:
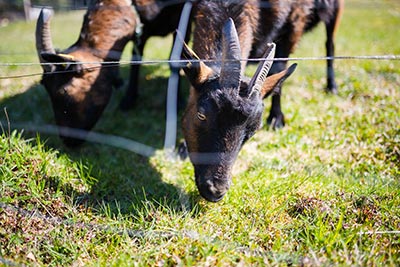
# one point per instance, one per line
(284, 47)
(331, 26)
(330, 52)
(276, 118)
(131, 94)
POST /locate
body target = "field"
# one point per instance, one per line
(324, 190)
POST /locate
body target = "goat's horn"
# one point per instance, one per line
(231, 67)
(43, 36)
(261, 73)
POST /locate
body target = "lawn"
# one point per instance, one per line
(324, 190)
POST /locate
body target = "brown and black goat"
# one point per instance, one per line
(284, 22)
(159, 18)
(78, 80)
(224, 108)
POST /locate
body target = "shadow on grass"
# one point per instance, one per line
(124, 181)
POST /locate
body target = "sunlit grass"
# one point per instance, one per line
(322, 191)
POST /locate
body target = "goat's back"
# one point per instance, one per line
(288, 20)
(108, 25)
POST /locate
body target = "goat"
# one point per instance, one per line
(224, 108)
(78, 84)
(159, 18)
(284, 22)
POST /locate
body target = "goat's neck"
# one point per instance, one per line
(210, 18)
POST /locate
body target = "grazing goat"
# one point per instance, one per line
(159, 18)
(284, 22)
(77, 80)
(224, 108)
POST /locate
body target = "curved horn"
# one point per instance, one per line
(231, 67)
(256, 83)
(43, 36)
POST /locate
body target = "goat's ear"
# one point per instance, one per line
(272, 84)
(66, 62)
(196, 71)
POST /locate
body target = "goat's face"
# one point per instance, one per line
(224, 110)
(79, 93)
(79, 90)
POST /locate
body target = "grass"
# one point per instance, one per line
(322, 191)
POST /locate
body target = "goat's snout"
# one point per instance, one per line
(212, 189)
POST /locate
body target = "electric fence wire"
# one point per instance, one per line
(177, 61)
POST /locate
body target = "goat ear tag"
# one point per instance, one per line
(201, 116)
(68, 57)
(57, 58)
(66, 62)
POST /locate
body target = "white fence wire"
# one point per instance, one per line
(179, 62)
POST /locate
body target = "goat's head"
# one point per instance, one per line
(224, 110)
(79, 90)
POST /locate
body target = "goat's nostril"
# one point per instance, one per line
(211, 197)
(212, 192)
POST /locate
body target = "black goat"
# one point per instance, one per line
(284, 22)
(224, 108)
(159, 18)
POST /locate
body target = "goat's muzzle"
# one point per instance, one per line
(212, 189)
(212, 174)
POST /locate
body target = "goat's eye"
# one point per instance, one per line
(201, 116)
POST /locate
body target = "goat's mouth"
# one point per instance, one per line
(212, 173)
(211, 188)
(210, 197)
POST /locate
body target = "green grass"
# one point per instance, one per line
(322, 191)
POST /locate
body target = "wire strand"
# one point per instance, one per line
(183, 62)
(164, 61)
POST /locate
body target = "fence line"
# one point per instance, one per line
(394, 232)
(173, 81)
(182, 62)
(54, 221)
(163, 61)
(90, 136)
(164, 4)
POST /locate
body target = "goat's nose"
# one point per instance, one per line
(213, 191)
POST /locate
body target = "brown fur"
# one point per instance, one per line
(108, 27)
(80, 91)
(207, 27)
(338, 17)
(289, 20)
(284, 22)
